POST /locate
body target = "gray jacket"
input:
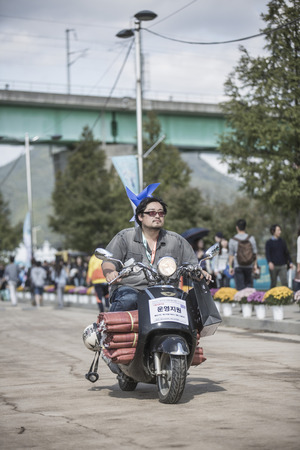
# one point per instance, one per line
(11, 272)
(128, 244)
(38, 276)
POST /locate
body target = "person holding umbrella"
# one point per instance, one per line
(195, 236)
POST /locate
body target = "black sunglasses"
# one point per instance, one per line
(153, 213)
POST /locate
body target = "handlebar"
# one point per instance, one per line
(192, 271)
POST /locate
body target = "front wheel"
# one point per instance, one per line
(172, 381)
(126, 383)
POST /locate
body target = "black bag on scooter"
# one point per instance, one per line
(208, 312)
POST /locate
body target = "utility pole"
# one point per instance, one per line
(68, 60)
(69, 53)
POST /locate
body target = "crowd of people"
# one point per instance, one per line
(232, 262)
(237, 259)
(79, 271)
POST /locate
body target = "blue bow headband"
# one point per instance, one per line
(136, 199)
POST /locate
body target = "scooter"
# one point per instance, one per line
(170, 324)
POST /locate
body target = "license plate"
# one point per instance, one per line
(165, 309)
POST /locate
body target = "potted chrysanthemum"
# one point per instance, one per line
(242, 297)
(257, 298)
(276, 298)
(225, 296)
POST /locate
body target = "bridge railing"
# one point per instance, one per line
(105, 91)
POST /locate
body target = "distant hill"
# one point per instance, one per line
(15, 192)
(213, 185)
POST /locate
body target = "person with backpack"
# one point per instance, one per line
(60, 278)
(242, 256)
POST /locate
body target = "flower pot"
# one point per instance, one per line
(260, 311)
(218, 305)
(247, 309)
(278, 313)
(227, 309)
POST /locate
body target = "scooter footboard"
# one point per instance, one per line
(171, 344)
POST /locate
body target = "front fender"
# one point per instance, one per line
(171, 344)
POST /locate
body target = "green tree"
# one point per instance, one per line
(164, 165)
(263, 114)
(10, 236)
(81, 199)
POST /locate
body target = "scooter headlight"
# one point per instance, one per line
(166, 266)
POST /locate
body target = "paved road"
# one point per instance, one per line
(245, 396)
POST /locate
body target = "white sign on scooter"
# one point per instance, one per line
(165, 309)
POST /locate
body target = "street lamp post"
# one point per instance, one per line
(29, 188)
(28, 229)
(140, 17)
(139, 107)
(32, 229)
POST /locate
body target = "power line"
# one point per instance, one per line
(50, 38)
(105, 72)
(172, 14)
(35, 19)
(31, 36)
(223, 42)
(111, 91)
(116, 81)
(106, 103)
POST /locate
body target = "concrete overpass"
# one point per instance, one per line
(186, 125)
(58, 120)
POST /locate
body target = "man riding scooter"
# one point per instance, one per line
(146, 243)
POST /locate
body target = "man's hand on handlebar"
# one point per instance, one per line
(206, 275)
(110, 276)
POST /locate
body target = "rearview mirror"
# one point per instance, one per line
(211, 252)
(103, 254)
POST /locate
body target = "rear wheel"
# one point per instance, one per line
(126, 383)
(172, 381)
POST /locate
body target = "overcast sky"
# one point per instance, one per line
(33, 45)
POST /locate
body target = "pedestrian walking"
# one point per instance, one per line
(278, 257)
(3, 283)
(11, 274)
(38, 277)
(60, 280)
(242, 256)
(96, 278)
(78, 272)
(220, 264)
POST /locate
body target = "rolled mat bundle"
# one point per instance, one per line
(120, 322)
(121, 340)
(119, 355)
(198, 357)
(119, 337)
